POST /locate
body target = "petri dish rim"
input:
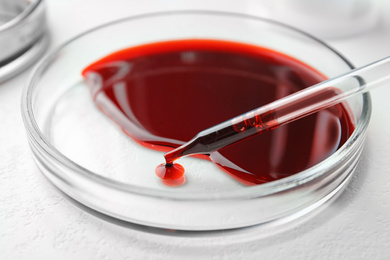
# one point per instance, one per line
(263, 190)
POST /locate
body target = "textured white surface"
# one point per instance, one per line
(38, 222)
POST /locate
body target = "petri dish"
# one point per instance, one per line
(23, 35)
(91, 160)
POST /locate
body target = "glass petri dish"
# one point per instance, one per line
(90, 159)
(23, 36)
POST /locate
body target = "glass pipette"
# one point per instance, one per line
(285, 110)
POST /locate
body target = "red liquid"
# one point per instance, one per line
(171, 174)
(163, 94)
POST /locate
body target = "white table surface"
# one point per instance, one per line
(38, 222)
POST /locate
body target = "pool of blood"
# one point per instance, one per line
(162, 94)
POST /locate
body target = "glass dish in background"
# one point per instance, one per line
(90, 159)
(22, 35)
(326, 19)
